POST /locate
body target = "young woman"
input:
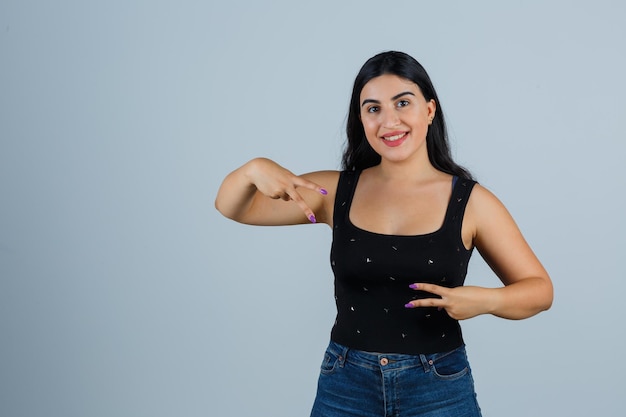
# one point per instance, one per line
(405, 220)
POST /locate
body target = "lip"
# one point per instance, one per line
(394, 133)
(396, 142)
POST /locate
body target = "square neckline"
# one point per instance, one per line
(441, 228)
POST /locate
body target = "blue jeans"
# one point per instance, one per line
(363, 384)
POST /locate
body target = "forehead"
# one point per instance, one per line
(388, 85)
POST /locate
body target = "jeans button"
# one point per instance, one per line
(384, 361)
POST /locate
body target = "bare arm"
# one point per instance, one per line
(261, 192)
(527, 286)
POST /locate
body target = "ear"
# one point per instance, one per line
(432, 109)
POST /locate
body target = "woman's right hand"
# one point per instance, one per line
(250, 193)
(276, 182)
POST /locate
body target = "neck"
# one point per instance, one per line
(417, 169)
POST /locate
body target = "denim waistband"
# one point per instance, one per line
(390, 361)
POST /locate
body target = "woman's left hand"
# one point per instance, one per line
(459, 302)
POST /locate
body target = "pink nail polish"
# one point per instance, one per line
(323, 191)
(414, 286)
(312, 218)
(409, 305)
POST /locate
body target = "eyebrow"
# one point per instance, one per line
(397, 96)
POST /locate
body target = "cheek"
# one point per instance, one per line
(370, 126)
(371, 134)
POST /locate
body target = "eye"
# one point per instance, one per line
(372, 109)
(403, 103)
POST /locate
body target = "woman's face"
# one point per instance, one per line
(395, 116)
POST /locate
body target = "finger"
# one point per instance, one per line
(431, 288)
(426, 302)
(301, 182)
(297, 198)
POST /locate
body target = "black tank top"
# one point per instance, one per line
(373, 273)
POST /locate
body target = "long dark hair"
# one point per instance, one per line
(358, 154)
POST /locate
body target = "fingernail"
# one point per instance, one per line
(323, 191)
(409, 305)
(414, 286)
(312, 218)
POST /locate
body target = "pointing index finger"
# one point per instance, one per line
(301, 182)
(431, 288)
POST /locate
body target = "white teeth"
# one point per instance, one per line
(396, 137)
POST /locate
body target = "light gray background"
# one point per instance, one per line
(124, 293)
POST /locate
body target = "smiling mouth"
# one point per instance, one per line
(395, 137)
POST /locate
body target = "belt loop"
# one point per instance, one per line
(425, 363)
(343, 356)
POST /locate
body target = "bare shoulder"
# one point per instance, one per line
(486, 214)
(482, 199)
(327, 178)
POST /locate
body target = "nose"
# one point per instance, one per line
(390, 118)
